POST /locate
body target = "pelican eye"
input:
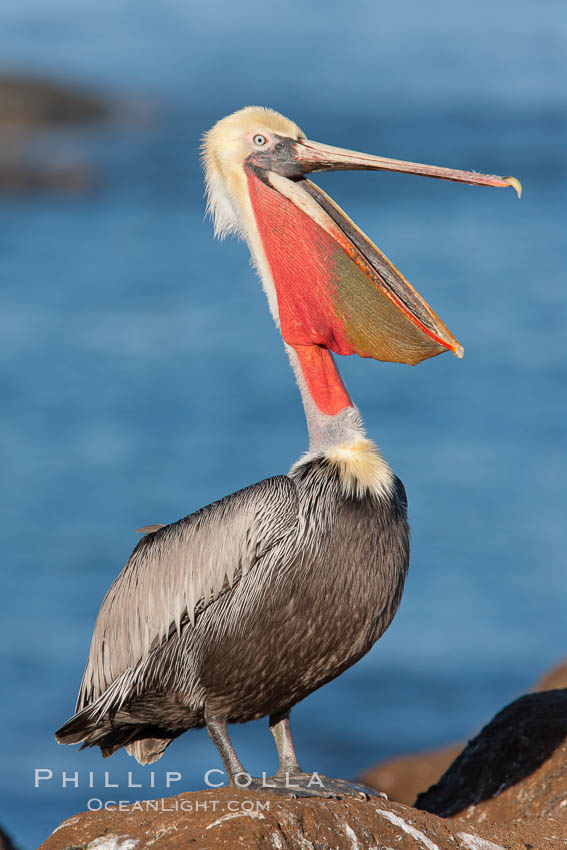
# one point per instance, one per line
(260, 140)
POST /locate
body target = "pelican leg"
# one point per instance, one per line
(281, 730)
(291, 779)
(218, 733)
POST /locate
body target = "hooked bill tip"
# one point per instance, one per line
(458, 351)
(515, 184)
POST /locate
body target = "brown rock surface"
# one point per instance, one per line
(402, 778)
(506, 791)
(555, 678)
(235, 819)
(515, 770)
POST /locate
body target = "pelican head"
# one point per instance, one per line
(327, 284)
(246, 134)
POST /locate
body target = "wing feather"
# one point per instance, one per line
(175, 572)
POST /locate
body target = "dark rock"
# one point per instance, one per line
(32, 177)
(37, 118)
(515, 769)
(31, 102)
(32, 110)
(6, 842)
(402, 778)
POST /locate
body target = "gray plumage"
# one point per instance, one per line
(242, 608)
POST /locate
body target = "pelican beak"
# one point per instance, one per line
(313, 156)
(335, 288)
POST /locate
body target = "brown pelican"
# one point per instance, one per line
(242, 609)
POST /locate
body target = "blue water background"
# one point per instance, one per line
(142, 376)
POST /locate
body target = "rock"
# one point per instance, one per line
(555, 678)
(46, 177)
(36, 116)
(514, 770)
(402, 778)
(31, 102)
(507, 790)
(235, 819)
(6, 842)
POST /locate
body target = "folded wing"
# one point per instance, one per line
(177, 571)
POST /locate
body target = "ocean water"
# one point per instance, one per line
(142, 376)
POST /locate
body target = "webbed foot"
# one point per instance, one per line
(309, 785)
